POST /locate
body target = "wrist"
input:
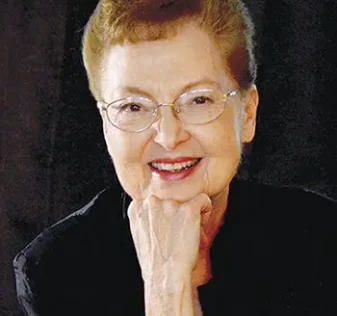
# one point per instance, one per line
(167, 282)
(172, 297)
(168, 276)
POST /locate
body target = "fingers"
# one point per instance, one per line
(153, 204)
(148, 218)
(200, 205)
(203, 204)
(134, 209)
(165, 230)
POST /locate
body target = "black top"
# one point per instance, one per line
(274, 255)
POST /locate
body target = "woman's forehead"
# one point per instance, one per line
(188, 58)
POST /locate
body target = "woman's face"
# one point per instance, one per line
(162, 69)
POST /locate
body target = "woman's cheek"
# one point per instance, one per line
(133, 178)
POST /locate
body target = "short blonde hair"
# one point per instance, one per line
(131, 21)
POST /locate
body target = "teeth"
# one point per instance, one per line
(175, 166)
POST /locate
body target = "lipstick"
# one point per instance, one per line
(171, 175)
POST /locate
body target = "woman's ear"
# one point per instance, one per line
(248, 122)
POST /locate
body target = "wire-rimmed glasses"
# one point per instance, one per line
(137, 113)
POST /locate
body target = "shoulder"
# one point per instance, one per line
(287, 222)
(65, 263)
(88, 221)
(279, 191)
(282, 221)
(268, 199)
(278, 246)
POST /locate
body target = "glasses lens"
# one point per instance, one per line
(200, 106)
(131, 114)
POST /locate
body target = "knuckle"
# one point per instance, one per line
(186, 208)
(134, 209)
(170, 204)
(204, 197)
(170, 207)
(204, 200)
(131, 210)
(152, 201)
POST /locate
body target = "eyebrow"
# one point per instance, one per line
(136, 90)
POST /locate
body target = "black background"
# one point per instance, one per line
(52, 151)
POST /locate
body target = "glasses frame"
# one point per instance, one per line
(103, 106)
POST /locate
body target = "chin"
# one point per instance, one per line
(177, 194)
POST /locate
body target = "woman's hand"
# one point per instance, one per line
(166, 235)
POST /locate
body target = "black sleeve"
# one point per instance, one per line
(42, 291)
(81, 265)
(53, 279)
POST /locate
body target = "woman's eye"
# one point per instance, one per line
(202, 100)
(131, 107)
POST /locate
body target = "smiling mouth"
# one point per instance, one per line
(174, 167)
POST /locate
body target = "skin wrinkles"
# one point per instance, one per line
(126, 91)
(178, 62)
(166, 89)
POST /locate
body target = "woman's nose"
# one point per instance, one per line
(170, 131)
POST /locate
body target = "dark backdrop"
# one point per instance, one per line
(53, 157)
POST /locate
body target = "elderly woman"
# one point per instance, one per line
(174, 83)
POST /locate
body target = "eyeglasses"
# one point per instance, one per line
(137, 113)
